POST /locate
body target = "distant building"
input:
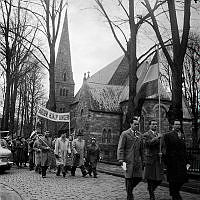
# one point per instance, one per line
(100, 106)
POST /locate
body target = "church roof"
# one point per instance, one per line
(105, 97)
(100, 97)
(104, 75)
(108, 87)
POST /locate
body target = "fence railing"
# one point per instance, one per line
(194, 157)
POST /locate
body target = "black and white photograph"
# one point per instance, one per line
(99, 99)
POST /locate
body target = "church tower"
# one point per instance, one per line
(64, 83)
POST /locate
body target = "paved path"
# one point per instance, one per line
(192, 186)
(106, 187)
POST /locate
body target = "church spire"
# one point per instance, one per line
(64, 83)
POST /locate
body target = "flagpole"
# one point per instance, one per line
(69, 124)
(159, 102)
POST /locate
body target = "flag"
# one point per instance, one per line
(147, 84)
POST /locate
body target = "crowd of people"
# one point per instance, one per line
(19, 149)
(143, 157)
(62, 154)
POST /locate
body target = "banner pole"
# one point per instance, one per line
(159, 103)
(69, 124)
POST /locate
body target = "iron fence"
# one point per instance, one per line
(194, 158)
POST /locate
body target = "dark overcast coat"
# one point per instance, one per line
(175, 157)
(153, 167)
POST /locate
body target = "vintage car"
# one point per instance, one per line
(5, 154)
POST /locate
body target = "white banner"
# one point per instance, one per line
(50, 115)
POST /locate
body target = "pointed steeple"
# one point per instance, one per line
(63, 71)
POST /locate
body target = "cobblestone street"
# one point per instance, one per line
(31, 186)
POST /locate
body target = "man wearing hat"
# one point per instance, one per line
(79, 152)
(93, 152)
(45, 144)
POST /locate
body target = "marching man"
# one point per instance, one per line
(62, 148)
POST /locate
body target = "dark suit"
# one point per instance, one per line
(153, 172)
(176, 160)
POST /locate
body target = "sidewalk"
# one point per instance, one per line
(193, 186)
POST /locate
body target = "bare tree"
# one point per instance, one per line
(14, 52)
(48, 14)
(30, 93)
(191, 74)
(179, 44)
(191, 78)
(134, 23)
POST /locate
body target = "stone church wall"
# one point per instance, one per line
(105, 127)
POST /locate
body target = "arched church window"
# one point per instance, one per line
(81, 112)
(65, 77)
(104, 134)
(66, 92)
(109, 136)
(63, 91)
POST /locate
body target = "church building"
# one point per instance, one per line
(100, 106)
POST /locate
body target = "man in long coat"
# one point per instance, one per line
(176, 160)
(37, 155)
(45, 144)
(61, 151)
(79, 154)
(31, 152)
(153, 168)
(130, 151)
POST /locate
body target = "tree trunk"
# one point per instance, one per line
(22, 116)
(19, 108)
(176, 110)
(132, 61)
(51, 105)
(12, 106)
(32, 109)
(194, 105)
(6, 110)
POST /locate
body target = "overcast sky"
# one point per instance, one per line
(92, 43)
